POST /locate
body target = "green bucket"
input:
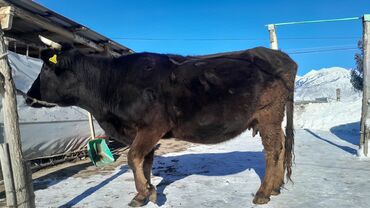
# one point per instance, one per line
(99, 152)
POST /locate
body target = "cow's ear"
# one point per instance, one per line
(50, 56)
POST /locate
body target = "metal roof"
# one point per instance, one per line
(31, 19)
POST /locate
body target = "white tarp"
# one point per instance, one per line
(45, 131)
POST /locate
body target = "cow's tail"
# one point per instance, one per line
(289, 129)
(289, 137)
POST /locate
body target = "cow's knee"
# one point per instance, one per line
(134, 159)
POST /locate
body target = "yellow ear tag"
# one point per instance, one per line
(53, 59)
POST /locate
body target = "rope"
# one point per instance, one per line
(25, 96)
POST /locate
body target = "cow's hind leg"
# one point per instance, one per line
(279, 174)
(271, 140)
(140, 158)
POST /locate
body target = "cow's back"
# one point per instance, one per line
(213, 98)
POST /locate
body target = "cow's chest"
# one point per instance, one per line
(116, 127)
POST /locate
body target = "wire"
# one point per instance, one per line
(232, 39)
(323, 50)
(289, 51)
(191, 39)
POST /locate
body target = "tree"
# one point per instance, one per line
(357, 74)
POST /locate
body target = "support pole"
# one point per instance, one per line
(273, 38)
(365, 120)
(6, 166)
(11, 131)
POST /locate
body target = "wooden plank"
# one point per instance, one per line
(11, 130)
(6, 167)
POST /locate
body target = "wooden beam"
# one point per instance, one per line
(47, 25)
(11, 131)
(365, 120)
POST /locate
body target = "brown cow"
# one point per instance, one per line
(140, 98)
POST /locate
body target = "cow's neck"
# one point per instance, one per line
(94, 92)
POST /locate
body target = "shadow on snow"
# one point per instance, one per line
(344, 148)
(174, 168)
(92, 190)
(348, 132)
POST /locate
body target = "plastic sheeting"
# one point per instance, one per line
(46, 132)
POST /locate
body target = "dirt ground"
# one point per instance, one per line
(84, 168)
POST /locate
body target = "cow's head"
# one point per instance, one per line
(57, 81)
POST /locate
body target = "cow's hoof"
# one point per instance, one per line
(275, 192)
(260, 199)
(138, 201)
(153, 195)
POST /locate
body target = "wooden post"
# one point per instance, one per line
(27, 166)
(6, 17)
(6, 166)
(338, 94)
(27, 50)
(365, 120)
(12, 133)
(273, 38)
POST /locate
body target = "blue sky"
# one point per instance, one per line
(192, 27)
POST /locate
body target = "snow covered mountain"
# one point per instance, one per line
(323, 83)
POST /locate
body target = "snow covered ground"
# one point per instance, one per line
(326, 174)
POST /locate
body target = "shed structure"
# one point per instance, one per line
(22, 21)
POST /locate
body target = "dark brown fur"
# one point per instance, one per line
(141, 98)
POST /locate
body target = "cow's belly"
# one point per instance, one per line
(213, 126)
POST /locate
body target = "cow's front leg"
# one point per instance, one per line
(136, 158)
(148, 164)
(140, 159)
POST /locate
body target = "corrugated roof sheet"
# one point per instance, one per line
(28, 31)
